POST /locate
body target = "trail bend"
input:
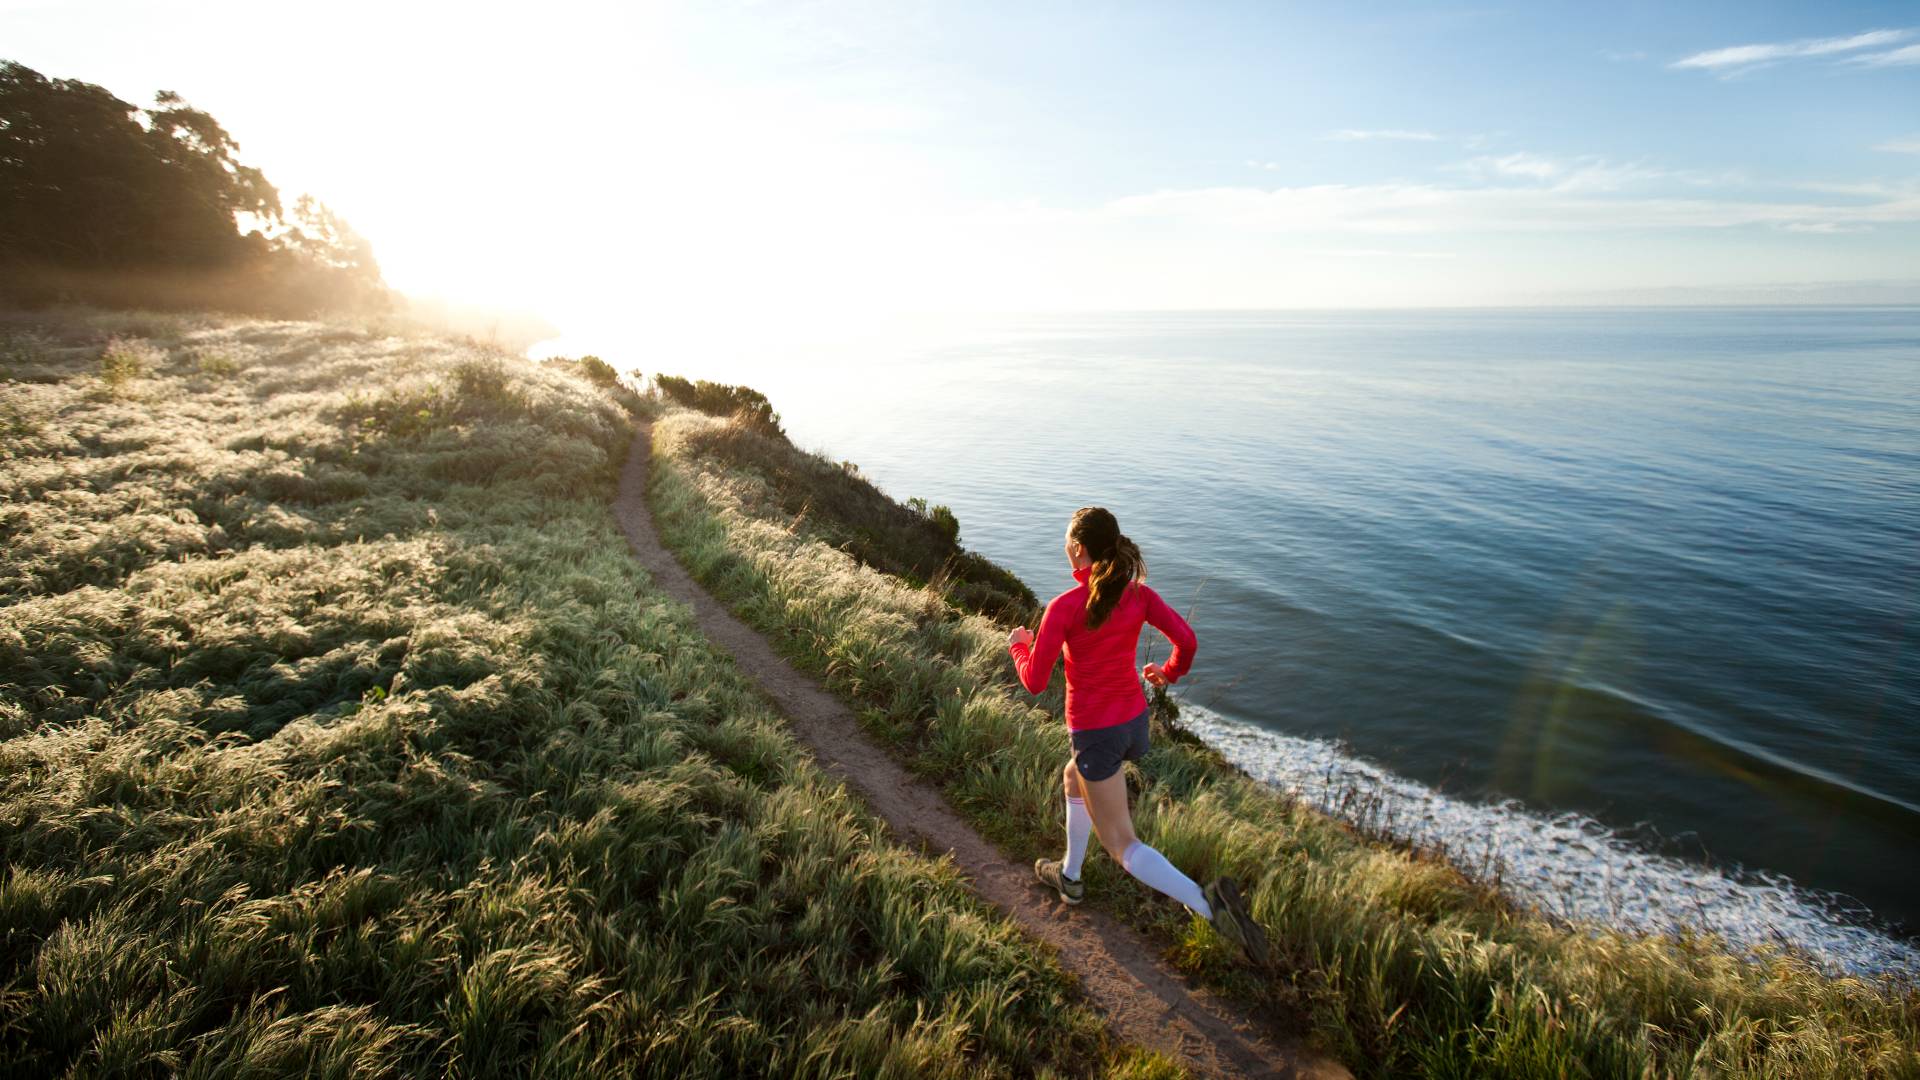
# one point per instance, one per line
(1145, 1002)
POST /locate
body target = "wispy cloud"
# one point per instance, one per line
(1519, 164)
(1909, 54)
(1586, 174)
(1854, 189)
(1909, 144)
(1405, 208)
(1741, 57)
(1383, 253)
(1359, 135)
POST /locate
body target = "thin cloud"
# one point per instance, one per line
(1411, 209)
(1896, 58)
(1383, 253)
(1858, 189)
(1585, 174)
(1519, 164)
(1824, 228)
(1909, 144)
(1738, 57)
(1358, 135)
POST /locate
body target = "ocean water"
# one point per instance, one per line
(1621, 601)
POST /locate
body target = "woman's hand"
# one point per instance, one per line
(1020, 636)
(1154, 675)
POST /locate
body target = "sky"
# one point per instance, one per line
(720, 163)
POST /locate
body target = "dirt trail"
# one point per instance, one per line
(1145, 1002)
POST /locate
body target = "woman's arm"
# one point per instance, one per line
(1163, 618)
(1035, 662)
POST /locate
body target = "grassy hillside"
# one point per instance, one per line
(1405, 966)
(339, 735)
(841, 509)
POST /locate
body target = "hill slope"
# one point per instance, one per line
(339, 734)
(1407, 966)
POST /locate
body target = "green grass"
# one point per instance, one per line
(1403, 965)
(840, 507)
(126, 359)
(340, 735)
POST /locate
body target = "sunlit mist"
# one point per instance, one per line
(724, 169)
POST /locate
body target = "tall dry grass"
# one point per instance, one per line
(1404, 964)
(340, 735)
(913, 542)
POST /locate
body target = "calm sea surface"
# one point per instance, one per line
(1624, 599)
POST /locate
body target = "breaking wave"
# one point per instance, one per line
(1568, 864)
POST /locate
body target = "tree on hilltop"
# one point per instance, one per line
(101, 200)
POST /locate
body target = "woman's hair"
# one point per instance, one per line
(1116, 560)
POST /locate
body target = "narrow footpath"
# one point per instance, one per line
(1146, 1003)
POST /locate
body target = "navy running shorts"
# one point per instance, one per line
(1098, 753)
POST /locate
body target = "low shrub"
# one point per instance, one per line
(822, 498)
(942, 518)
(719, 399)
(608, 378)
(216, 360)
(124, 359)
(599, 372)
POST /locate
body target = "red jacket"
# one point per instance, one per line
(1103, 686)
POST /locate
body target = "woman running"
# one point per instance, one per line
(1098, 625)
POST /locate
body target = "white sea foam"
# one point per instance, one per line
(1568, 865)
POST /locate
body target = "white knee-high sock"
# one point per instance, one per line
(1079, 827)
(1153, 868)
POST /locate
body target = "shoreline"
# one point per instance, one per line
(1566, 864)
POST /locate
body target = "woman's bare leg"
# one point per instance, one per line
(1107, 801)
(1079, 824)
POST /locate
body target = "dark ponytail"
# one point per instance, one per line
(1116, 560)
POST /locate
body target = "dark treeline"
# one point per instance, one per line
(104, 202)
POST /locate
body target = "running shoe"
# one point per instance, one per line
(1048, 871)
(1232, 921)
